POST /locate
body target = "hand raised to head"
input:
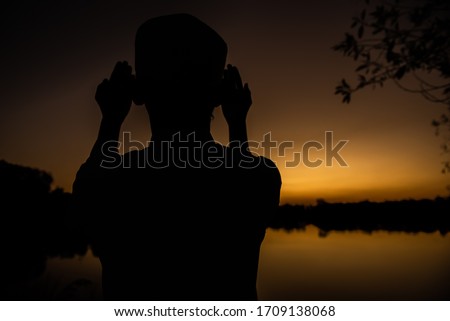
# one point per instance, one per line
(114, 95)
(237, 97)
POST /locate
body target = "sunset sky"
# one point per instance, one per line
(54, 53)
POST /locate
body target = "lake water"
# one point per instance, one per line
(301, 265)
(354, 266)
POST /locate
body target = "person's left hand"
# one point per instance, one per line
(237, 97)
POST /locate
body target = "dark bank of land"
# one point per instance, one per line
(39, 222)
(36, 212)
(411, 216)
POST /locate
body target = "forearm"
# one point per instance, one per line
(107, 141)
(235, 105)
(114, 99)
(238, 136)
(95, 174)
(104, 155)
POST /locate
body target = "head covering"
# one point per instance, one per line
(178, 50)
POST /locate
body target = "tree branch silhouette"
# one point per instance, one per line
(393, 39)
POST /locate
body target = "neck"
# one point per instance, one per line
(166, 133)
(175, 125)
(181, 136)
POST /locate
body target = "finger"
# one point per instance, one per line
(246, 88)
(127, 66)
(101, 88)
(226, 75)
(104, 83)
(116, 71)
(248, 94)
(122, 70)
(237, 78)
(127, 71)
(230, 78)
(227, 84)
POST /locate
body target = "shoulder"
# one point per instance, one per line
(269, 169)
(262, 169)
(134, 154)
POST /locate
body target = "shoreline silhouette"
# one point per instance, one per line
(45, 227)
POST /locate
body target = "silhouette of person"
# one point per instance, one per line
(183, 218)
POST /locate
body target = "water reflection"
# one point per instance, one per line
(74, 278)
(354, 266)
(46, 256)
(299, 265)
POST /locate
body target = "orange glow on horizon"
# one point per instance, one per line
(50, 118)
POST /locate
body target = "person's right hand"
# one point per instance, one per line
(114, 96)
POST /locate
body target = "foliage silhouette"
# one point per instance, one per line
(35, 226)
(410, 216)
(395, 39)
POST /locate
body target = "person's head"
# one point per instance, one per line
(179, 63)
